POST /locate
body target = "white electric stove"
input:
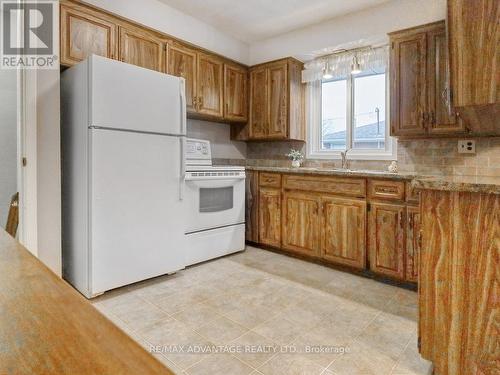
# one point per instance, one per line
(215, 200)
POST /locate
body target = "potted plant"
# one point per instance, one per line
(296, 157)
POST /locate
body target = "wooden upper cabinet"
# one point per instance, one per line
(140, 48)
(442, 116)
(386, 226)
(258, 103)
(301, 223)
(474, 34)
(182, 63)
(343, 231)
(85, 32)
(278, 100)
(421, 100)
(270, 216)
(408, 84)
(235, 93)
(209, 85)
(413, 227)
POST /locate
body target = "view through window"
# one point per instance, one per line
(353, 113)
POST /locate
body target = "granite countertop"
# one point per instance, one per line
(337, 172)
(475, 184)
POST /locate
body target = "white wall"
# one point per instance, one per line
(218, 135)
(360, 27)
(8, 140)
(164, 18)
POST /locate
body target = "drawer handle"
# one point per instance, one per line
(380, 189)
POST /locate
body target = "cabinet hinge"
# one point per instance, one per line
(419, 343)
(24, 162)
(368, 207)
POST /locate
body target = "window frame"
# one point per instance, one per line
(314, 126)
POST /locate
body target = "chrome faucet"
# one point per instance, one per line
(343, 155)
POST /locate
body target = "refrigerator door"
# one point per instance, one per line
(128, 97)
(137, 218)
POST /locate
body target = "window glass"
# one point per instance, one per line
(334, 115)
(369, 112)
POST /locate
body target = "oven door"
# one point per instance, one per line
(214, 202)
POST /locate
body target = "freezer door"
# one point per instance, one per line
(137, 218)
(125, 96)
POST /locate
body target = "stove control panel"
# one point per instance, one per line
(198, 152)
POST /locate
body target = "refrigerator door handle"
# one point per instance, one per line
(183, 168)
(183, 106)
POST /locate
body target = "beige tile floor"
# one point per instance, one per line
(258, 312)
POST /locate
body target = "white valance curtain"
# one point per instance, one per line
(371, 60)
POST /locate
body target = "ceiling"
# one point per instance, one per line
(254, 20)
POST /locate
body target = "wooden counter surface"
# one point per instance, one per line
(46, 327)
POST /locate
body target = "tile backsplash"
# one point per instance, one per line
(426, 156)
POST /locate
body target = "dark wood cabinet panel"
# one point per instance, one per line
(408, 84)
(258, 103)
(278, 100)
(343, 231)
(386, 223)
(413, 226)
(442, 116)
(251, 206)
(270, 216)
(235, 93)
(301, 223)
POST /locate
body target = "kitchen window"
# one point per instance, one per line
(350, 112)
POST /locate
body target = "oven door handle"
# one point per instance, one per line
(214, 183)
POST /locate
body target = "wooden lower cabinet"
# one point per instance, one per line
(386, 239)
(251, 206)
(301, 222)
(270, 216)
(343, 231)
(413, 226)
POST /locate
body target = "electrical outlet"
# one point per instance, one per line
(466, 146)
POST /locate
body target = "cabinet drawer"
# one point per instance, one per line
(386, 189)
(355, 187)
(412, 195)
(270, 179)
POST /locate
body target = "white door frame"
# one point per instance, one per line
(27, 159)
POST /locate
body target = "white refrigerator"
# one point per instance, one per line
(123, 134)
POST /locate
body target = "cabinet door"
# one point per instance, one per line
(278, 100)
(473, 34)
(182, 63)
(442, 117)
(83, 34)
(343, 231)
(251, 205)
(258, 103)
(408, 85)
(235, 93)
(412, 243)
(386, 239)
(301, 223)
(270, 216)
(142, 49)
(209, 85)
